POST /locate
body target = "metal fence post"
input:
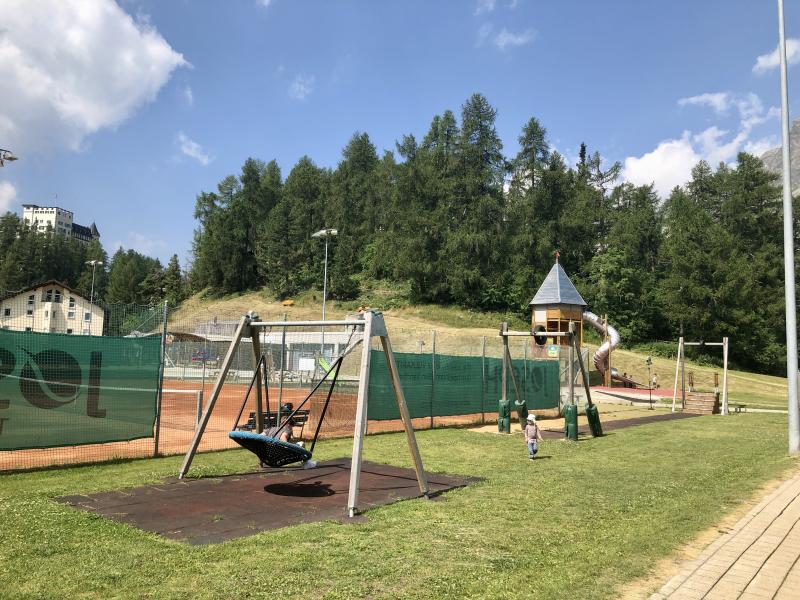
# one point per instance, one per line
(483, 380)
(160, 389)
(280, 376)
(433, 374)
(199, 405)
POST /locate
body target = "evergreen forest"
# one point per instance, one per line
(28, 257)
(456, 221)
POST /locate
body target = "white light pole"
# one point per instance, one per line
(788, 250)
(324, 233)
(6, 155)
(94, 264)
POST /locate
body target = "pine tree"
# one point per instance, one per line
(173, 282)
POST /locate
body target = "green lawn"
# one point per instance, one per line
(581, 523)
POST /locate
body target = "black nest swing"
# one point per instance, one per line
(273, 452)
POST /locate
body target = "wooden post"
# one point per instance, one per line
(254, 335)
(725, 376)
(677, 372)
(223, 372)
(571, 370)
(507, 358)
(422, 479)
(584, 372)
(504, 377)
(607, 373)
(361, 418)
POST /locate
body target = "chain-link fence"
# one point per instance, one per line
(154, 393)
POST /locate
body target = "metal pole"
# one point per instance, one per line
(199, 405)
(91, 294)
(483, 380)
(255, 336)
(324, 298)
(683, 370)
(160, 391)
(677, 372)
(788, 249)
(433, 373)
(280, 377)
(725, 376)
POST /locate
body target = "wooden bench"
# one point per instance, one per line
(740, 408)
(270, 418)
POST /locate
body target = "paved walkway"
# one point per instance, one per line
(757, 559)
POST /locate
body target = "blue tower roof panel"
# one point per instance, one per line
(557, 289)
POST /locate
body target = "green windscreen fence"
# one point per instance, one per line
(64, 390)
(444, 385)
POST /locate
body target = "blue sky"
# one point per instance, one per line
(130, 109)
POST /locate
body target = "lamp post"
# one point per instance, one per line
(649, 363)
(94, 264)
(788, 249)
(324, 233)
(6, 155)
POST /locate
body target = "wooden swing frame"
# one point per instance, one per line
(372, 324)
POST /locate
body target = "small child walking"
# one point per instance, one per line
(533, 436)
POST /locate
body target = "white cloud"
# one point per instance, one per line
(719, 101)
(301, 87)
(666, 166)
(714, 149)
(188, 96)
(671, 162)
(761, 145)
(193, 150)
(69, 68)
(506, 38)
(8, 196)
(772, 60)
(485, 6)
(264, 3)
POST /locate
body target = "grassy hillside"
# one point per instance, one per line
(461, 331)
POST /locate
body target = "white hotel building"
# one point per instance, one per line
(60, 220)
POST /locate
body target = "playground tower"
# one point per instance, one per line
(557, 304)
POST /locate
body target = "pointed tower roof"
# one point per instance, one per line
(557, 289)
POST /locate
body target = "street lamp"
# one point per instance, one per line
(649, 363)
(324, 233)
(94, 264)
(6, 155)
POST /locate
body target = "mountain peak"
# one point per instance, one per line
(773, 159)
